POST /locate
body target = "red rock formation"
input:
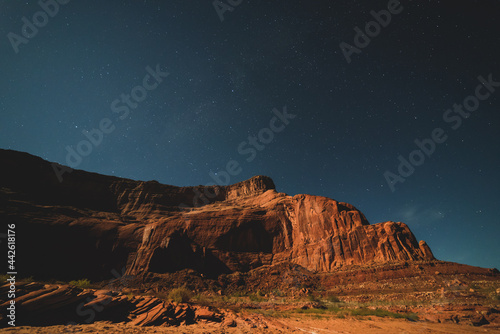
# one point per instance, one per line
(90, 224)
(54, 304)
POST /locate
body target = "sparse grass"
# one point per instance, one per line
(326, 305)
(237, 294)
(81, 283)
(333, 299)
(202, 299)
(180, 295)
(256, 297)
(376, 312)
(314, 298)
(257, 302)
(312, 311)
(341, 312)
(270, 313)
(160, 295)
(3, 279)
(27, 279)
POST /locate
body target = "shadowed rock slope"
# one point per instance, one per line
(90, 225)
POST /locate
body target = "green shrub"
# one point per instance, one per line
(202, 299)
(311, 310)
(333, 299)
(255, 297)
(180, 295)
(81, 283)
(237, 294)
(377, 312)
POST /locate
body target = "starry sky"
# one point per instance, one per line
(184, 92)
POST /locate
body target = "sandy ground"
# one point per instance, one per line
(282, 325)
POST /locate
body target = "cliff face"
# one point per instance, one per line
(90, 224)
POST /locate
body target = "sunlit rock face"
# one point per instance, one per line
(91, 224)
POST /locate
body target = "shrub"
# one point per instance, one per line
(377, 312)
(180, 295)
(81, 283)
(314, 298)
(202, 299)
(237, 294)
(333, 299)
(255, 297)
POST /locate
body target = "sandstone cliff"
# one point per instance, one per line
(90, 225)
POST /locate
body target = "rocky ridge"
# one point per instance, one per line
(91, 224)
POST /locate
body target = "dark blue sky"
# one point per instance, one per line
(353, 120)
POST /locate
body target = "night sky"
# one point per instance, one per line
(178, 93)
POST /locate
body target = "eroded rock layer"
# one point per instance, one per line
(90, 225)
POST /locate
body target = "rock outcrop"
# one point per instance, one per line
(92, 225)
(58, 304)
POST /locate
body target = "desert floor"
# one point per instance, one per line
(282, 325)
